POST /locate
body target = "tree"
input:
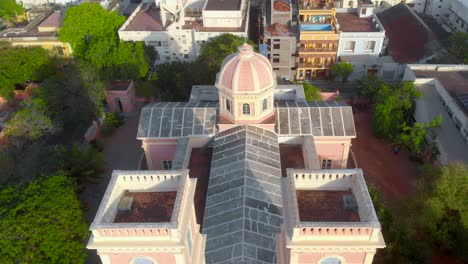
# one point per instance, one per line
(82, 163)
(369, 85)
(444, 213)
(394, 104)
(69, 102)
(215, 50)
(31, 122)
(342, 69)
(19, 65)
(10, 9)
(458, 46)
(312, 93)
(412, 137)
(42, 222)
(92, 33)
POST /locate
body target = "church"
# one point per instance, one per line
(246, 171)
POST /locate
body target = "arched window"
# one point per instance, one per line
(246, 109)
(228, 105)
(265, 104)
(142, 260)
(331, 260)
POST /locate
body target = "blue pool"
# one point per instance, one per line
(316, 27)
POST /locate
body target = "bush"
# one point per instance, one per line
(113, 120)
(312, 93)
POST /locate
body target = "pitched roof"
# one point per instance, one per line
(174, 120)
(407, 35)
(321, 119)
(243, 206)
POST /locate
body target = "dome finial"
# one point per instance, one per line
(246, 51)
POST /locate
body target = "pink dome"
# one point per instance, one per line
(245, 71)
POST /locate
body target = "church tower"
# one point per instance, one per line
(246, 84)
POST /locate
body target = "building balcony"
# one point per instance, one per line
(315, 4)
(328, 49)
(314, 65)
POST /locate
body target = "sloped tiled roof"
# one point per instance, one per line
(408, 36)
(243, 210)
(174, 120)
(321, 119)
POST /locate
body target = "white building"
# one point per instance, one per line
(31, 3)
(177, 28)
(361, 39)
(458, 15)
(444, 93)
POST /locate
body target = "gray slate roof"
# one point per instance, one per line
(243, 206)
(321, 119)
(174, 120)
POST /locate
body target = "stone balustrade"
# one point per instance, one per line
(139, 232)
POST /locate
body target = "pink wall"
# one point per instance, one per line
(161, 149)
(332, 151)
(125, 258)
(350, 257)
(126, 97)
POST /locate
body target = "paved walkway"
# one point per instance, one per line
(393, 174)
(122, 151)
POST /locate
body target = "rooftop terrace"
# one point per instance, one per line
(142, 207)
(350, 22)
(329, 197)
(325, 206)
(152, 198)
(223, 5)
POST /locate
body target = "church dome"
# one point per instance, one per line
(246, 71)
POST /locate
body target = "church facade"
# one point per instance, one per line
(246, 171)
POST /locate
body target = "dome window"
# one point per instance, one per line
(265, 104)
(246, 109)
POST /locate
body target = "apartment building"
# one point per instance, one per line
(279, 37)
(176, 29)
(318, 39)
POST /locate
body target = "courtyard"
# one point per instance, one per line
(394, 175)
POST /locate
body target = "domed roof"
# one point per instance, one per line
(246, 71)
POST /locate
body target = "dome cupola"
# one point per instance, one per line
(246, 85)
(246, 71)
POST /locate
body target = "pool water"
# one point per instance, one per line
(316, 27)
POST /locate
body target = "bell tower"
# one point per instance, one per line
(246, 84)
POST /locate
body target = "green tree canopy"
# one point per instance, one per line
(458, 46)
(369, 85)
(69, 102)
(10, 9)
(42, 222)
(215, 50)
(312, 93)
(31, 122)
(394, 104)
(412, 137)
(18, 65)
(92, 33)
(342, 69)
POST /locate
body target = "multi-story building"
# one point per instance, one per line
(361, 39)
(279, 37)
(318, 39)
(444, 93)
(40, 32)
(458, 16)
(248, 172)
(176, 29)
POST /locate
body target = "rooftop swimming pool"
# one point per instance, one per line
(316, 27)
